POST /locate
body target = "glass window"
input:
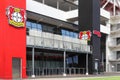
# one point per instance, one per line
(118, 41)
(75, 35)
(69, 60)
(67, 33)
(118, 67)
(39, 26)
(28, 24)
(75, 59)
(118, 54)
(71, 34)
(44, 28)
(63, 32)
(34, 26)
(50, 29)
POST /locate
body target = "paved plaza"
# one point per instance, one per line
(72, 77)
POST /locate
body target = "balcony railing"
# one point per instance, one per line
(57, 44)
(114, 60)
(115, 33)
(115, 47)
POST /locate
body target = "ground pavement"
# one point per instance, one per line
(72, 77)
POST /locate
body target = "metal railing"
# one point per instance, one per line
(55, 71)
(57, 44)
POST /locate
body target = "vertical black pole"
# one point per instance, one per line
(89, 19)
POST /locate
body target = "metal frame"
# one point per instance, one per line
(115, 3)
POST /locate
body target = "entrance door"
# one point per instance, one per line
(16, 68)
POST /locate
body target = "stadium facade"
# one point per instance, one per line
(41, 37)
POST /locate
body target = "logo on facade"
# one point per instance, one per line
(16, 16)
(85, 35)
(96, 32)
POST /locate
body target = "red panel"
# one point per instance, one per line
(2, 38)
(12, 40)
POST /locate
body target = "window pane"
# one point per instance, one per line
(39, 26)
(39, 29)
(71, 34)
(63, 32)
(118, 54)
(75, 35)
(44, 28)
(75, 59)
(28, 24)
(34, 26)
(50, 29)
(67, 33)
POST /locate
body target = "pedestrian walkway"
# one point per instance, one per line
(72, 77)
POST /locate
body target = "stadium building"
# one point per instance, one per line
(41, 38)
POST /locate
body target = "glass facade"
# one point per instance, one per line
(69, 33)
(33, 25)
(50, 29)
(72, 60)
(50, 62)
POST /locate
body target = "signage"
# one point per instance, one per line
(16, 16)
(85, 35)
(97, 33)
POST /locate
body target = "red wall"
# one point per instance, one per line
(12, 40)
